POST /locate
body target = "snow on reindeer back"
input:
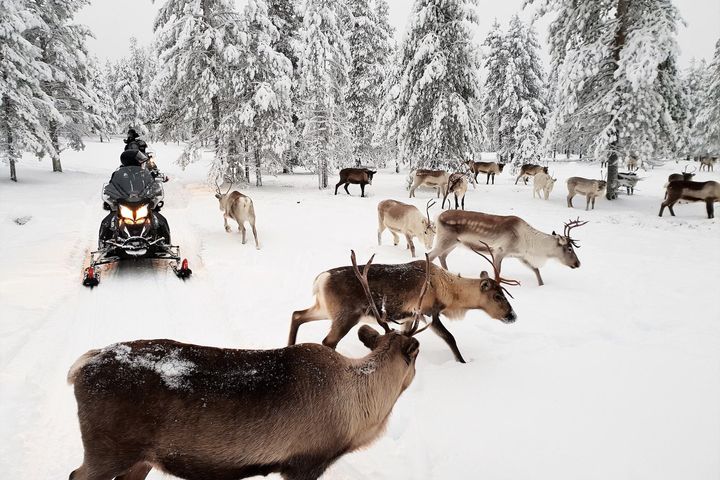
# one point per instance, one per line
(171, 368)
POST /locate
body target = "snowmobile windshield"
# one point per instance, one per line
(132, 184)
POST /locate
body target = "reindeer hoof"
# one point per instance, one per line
(227, 229)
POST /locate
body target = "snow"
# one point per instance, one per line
(611, 371)
(168, 365)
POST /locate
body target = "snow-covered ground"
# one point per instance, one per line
(612, 371)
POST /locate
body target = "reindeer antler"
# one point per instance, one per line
(568, 227)
(498, 278)
(417, 314)
(430, 203)
(217, 187)
(363, 277)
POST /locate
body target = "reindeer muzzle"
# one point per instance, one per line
(510, 317)
(575, 265)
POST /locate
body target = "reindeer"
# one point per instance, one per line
(628, 180)
(240, 208)
(631, 163)
(543, 182)
(507, 236)
(584, 186)
(199, 412)
(490, 168)
(394, 288)
(430, 178)
(684, 175)
(708, 192)
(707, 163)
(362, 176)
(530, 170)
(457, 185)
(401, 218)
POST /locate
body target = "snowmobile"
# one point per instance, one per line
(134, 228)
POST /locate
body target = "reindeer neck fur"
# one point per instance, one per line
(462, 293)
(376, 383)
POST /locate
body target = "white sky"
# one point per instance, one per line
(115, 21)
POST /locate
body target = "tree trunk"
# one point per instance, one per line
(246, 160)
(7, 110)
(55, 154)
(618, 44)
(258, 174)
(232, 168)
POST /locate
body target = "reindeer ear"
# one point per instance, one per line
(554, 234)
(485, 285)
(484, 274)
(368, 336)
(411, 349)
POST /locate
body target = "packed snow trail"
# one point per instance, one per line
(611, 370)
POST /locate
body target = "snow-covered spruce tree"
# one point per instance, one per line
(612, 60)
(100, 83)
(707, 127)
(63, 48)
(24, 106)
(528, 135)
(694, 82)
(495, 64)
(131, 89)
(261, 103)
(515, 83)
(371, 47)
(324, 66)
(190, 40)
(435, 118)
(284, 15)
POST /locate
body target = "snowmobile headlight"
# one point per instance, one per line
(141, 213)
(126, 213)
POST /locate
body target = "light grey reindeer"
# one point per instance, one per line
(240, 208)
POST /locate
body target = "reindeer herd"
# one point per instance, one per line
(201, 412)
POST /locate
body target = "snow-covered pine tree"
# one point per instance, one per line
(371, 47)
(24, 106)
(261, 95)
(324, 66)
(495, 63)
(611, 60)
(191, 41)
(131, 89)
(64, 50)
(707, 127)
(436, 119)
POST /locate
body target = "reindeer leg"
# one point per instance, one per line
(346, 188)
(303, 316)
(536, 271)
(569, 201)
(341, 325)
(410, 244)
(463, 202)
(257, 244)
(241, 229)
(336, 186)
(227, 227)
(362, 189)
(396, 238)
(437, 327)
(710, 207)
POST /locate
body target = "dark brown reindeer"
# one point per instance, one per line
(489, 168)
(708, 192)
(200, 412)
(530, 170)
(395, 288)
(361, 176)
(507, 236)
(684, 175)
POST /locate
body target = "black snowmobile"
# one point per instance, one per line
(134, 228)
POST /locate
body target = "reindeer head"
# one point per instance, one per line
(429, 227)
(501, 166)
(566, 245)
(370, 174)
(220, 195)
(499, 308)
